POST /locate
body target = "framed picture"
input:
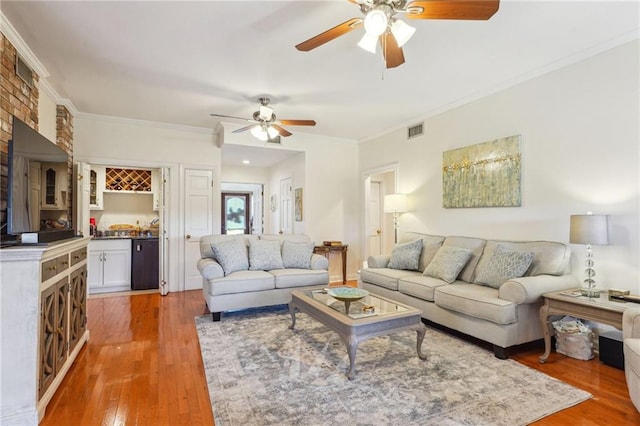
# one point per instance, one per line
(482, 175)
(298, 204)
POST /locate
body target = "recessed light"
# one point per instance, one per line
(246, 162)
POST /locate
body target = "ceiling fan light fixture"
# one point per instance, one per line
(265, 112)
(272, 132)
(260, 133)
(368, 42)
(402, 32)
(376, 21)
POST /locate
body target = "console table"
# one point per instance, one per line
(325, 250)
(599, 309)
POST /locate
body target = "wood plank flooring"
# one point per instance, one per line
(142, 366)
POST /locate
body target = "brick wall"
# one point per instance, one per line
(20, 100)
(64, 139)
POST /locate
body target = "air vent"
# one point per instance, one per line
(24, 72)
(415, 131)
(274, 140)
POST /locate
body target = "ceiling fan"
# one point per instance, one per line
(381, 24)
(266, 126)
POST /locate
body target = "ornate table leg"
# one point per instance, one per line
(421, 332)
(292, 312)
(352, 347)
(546, 329)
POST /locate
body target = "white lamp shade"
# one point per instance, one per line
(395, 203)
(375, 23)
(272, 132)
(368, 42)
(589, 229)
(259, 133)
(402, 32)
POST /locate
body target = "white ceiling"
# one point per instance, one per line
(176, 62)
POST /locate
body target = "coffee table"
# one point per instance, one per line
(389, 317)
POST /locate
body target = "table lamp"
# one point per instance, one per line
(589, 229)
(395, 203)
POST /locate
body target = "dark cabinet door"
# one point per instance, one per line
(144, 264)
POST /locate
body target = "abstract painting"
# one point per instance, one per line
(298, 204)
(482, 175)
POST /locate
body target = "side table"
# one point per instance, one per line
(326, 250)
(599, 309)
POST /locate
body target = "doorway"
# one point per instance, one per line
(378, 227)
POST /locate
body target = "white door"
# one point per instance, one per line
(117, 268)
(375, 242)
(94, 269)
(81, 200)
(198, 220)
(163, 236)
(286, 206)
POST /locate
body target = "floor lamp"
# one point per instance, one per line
(589, 229)
(396, 204)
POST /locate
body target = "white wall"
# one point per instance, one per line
(133, 143)
(47, 116)
(580, 152)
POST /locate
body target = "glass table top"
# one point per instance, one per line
(360, 308)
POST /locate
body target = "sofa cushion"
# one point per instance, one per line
(289, 278)
(476, 245)
(447, 263)
(504, 265)
(242, 282)
(430, 245)
(231, 254)
(297, 255)
(264, 255)
(406, 256)
(550, 258)
(207, 240)
(476, 301)
(386, 277)
(281, 238)
(419, 286)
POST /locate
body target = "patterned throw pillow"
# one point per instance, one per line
(406, 255)
(231, 255)
(264, 255)
(504, 265)
(447, 263)
(297, 255)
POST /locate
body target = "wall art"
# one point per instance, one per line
(482, 175)
(298, 204)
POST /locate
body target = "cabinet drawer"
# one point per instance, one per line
(53, 267)
(78, 256)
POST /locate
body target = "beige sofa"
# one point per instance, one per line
(631, 347)
(504, 315)
(250, 286)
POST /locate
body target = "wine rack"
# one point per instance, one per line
(127, 180)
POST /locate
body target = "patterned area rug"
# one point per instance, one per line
(260, 372)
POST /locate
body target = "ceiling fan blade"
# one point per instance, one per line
(393, 54)
(330, 34)
(480, 10)
(244, 129)
(283, 132)
(231, 116)
(297, 122)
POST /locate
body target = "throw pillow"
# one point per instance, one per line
(264, 255)
(231, 255)
(297, 255)
(504, 265)
(447, 263)
(406, 255)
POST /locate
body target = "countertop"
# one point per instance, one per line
(123, 237)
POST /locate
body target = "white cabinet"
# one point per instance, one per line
(156, 188)
(55, 186)
(44, 324)
(97, 185)
(109, 265)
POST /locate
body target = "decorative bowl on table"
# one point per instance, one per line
(347, 294)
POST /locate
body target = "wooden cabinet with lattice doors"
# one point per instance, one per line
(127, 180)
(77, 305)
(53, 332)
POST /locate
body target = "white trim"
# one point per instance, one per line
(147, 123)
(21, 47)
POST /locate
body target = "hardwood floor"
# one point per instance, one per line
(142, 366)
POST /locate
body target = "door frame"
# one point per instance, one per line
(367, 177)
(247, 210)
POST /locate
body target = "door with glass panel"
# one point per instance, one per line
(236, 218)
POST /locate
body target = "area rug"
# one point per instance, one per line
(259, 372)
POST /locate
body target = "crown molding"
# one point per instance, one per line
(21, 47)
(146, 123)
